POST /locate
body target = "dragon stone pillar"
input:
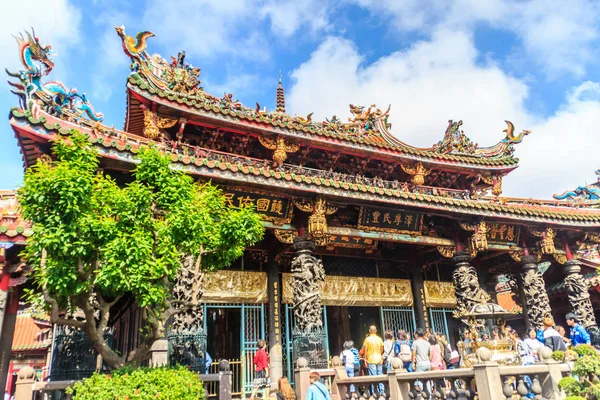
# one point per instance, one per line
(309, 337)
(466, 284)
(307, 274)
(579, 298)
(534, 290)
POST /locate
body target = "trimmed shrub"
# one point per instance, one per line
(165, 383)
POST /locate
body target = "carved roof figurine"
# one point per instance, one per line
(53, 97)
(134, 48)
(582, 193)
(455, 141)
(365, 120)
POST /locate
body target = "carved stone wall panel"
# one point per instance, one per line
(235, 287)
(356, 291)
(439, 294)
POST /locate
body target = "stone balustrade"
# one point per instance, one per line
(28, 389)
(485, 380)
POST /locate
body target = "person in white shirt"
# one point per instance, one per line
(388, 349)
(532, 343)
(347, 357)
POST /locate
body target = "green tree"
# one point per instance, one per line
(95, 242)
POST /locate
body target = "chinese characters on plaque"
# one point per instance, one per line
(502, 233)
(390, 220)
(272, 208)
(352, 242)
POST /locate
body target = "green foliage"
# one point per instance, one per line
(571, 355)
(141, 384)
(574, 398)
(570, 386)
(584, 382)
(558, 356)
(587, 365)
(104, 240)
(584, 350)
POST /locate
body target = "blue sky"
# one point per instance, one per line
(531, 62)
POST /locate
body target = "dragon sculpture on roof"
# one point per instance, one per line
(582, 193)
(54, 96)
(456, 142)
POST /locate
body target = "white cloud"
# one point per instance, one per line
(207, 28)
(428, 84)
(290, 15)
(556, 35)
(437, 80)
(562, 151)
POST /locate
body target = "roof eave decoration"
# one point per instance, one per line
(119, 145)
(582, 194)
(180, 82)
(53, 97)
(456, 142)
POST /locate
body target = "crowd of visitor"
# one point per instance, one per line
(427, 352)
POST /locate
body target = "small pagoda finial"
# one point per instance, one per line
(280, 100)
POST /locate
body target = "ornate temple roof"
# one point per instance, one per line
(123, 146)
(176, 85)
(162, 95)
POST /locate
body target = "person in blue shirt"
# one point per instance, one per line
(579, 335)
(316, 390)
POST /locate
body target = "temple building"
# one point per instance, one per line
(362, 228)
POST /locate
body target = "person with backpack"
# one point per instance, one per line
(348, 362)
(446, 351)
(403, 351)
(356, 353)
(388, 350)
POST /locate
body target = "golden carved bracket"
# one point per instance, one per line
(467, 226)
(153, 124)
(418, 171)
(446, 251)
(317, 222)
(495, 181)
(281, 147)
(560, 258)
(285, 236)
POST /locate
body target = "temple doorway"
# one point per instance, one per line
(223, 333)
(232, 333)
(350, 323)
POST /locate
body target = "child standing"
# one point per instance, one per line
(261, 368)
(348, 361)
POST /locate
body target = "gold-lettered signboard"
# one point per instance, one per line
(390, 220)
(502, 233)
(278, 210)
(356, 291)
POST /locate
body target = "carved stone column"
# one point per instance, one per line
(534, 291)
(307, 273)
(466, 283)
(191, 320)
(310, 341)
(579, 298)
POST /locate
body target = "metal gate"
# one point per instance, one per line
(289, 364)
(252, 330)
(396, 318)
(439, 320)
